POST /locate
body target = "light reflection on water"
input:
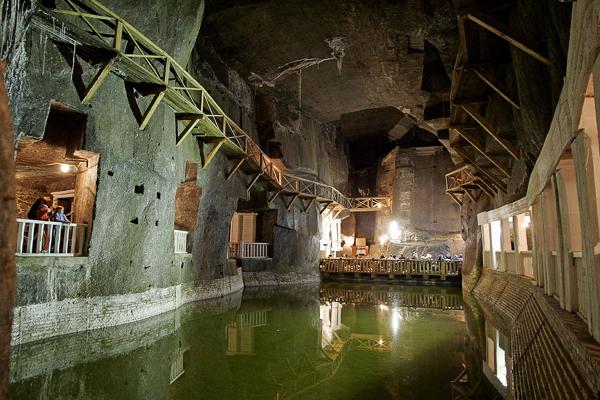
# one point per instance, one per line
(340, 341)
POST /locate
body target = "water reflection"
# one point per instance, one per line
(340, 341)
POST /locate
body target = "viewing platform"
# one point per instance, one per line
(403, 269)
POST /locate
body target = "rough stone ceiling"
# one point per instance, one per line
(386, 43)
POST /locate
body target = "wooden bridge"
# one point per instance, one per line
(103, 39)
(407, 269)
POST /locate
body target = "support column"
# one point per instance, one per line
(569, 273)
(583, 149)
(539, 244)
(7, 236)
(562, 239)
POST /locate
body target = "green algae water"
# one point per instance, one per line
(336, 341)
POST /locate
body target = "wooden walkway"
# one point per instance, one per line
(373, 268)
(102, 38)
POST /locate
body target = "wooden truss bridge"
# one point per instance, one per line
(391, 268)
(107, 42)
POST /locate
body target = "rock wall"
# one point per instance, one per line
(428, 218)
(143, 176)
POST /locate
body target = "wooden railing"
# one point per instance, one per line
(45, 238)
(248, 250)
(358, 204)
(180, 241)
(132, 56)
(439, 268)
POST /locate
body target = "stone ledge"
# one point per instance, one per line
(37, 358)
(268, 278)
(44, 320)
(50, 261)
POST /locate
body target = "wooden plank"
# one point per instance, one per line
(473, 141)
(495, 85)
(487, 126)
(504, 32)
(235, 168)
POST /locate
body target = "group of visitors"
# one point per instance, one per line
(42, 210)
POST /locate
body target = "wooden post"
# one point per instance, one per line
(563, 237)
(443, 270)
(583, 154)
(537, 224)
(7, 236)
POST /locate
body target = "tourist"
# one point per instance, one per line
(59, 215)
(45, 200)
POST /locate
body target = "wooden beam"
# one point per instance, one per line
(495, 84)
(497, 182)
(186, 131)
(310, 204)
(473, 141)
(291, 203)
(487, 126)
(118, 35)
(98, 80)
(337, 213)
(258, 175)
(504, 32)
(327, 203)
(183, 116)
(456, 199)
(235, 168)
(151, 109)
(470, 100)
(274, 196)
(484, 186)
(205, 160)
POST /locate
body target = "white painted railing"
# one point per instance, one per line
(248, 250)
(180, 241)
(45, 238)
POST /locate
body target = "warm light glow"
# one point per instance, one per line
(349, 240)
(380, 341)
(65, 168)
(526, 221)
(394, 230)
(383, 239)
(396, 318)
(383, 307)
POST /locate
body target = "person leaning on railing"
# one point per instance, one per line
(58, 216)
